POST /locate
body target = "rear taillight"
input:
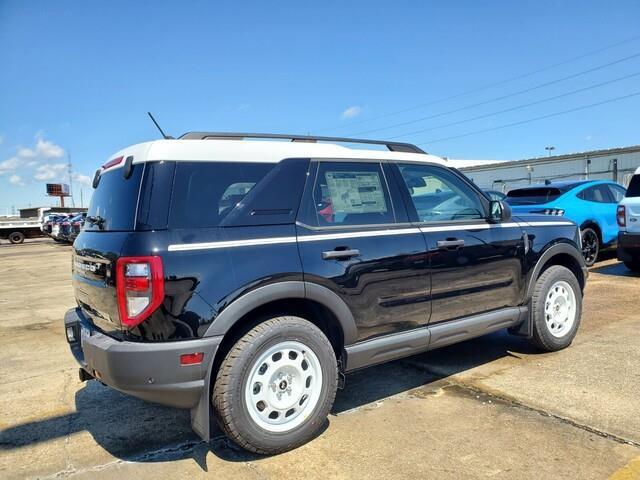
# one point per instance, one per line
(139, 288)
(76, 224)
(65, 224)
(554, 211)
(621, 216)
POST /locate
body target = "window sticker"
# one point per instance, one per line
(356, 192)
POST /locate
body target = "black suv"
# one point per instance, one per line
(240, 278)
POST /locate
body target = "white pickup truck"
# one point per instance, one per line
(629, 222)
(17, 229)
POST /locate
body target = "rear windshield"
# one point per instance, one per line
(634, 187)
(115, 200)
(533, 196)
(204, 193)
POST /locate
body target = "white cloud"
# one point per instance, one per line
(16, 180)
(43, 150)
(9, 165)
(49, 172)
(22, 164)
(351, 112)
(85, 180)
(26, 153)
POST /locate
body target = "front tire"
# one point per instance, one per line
(275, 387)
(557, 309)
(590, 246)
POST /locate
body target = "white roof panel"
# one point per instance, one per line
(257, 151)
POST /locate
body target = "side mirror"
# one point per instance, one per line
(499, 211)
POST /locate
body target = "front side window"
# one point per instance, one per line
(351, 193)
(439, 195)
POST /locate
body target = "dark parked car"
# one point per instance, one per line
(275, 267)
(75, 226)
(48, 223)
(58, 226)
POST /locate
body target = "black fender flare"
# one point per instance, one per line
(552, 251)
(281, 291)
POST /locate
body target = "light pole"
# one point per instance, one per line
(548, 149)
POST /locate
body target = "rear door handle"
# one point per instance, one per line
(340, 254)
(450, 244)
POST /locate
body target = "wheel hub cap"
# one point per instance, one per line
(283, 386)
(560, 308)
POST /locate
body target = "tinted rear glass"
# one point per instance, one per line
(115, 200)
(634, 187)
(204, 193)
(533, 196)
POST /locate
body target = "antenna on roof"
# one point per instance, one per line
(164, 135)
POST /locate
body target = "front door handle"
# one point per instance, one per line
(450, 244)
(340, 254)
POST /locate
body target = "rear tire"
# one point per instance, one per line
(16, 237)
(556, 309)
(275, 387)
(634, 266)
(590, 246)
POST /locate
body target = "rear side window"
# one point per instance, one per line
(115, 200)
(634, 187)
(351, 193)
(204, 193)
(597, 193)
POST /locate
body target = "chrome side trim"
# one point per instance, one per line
(341, 235)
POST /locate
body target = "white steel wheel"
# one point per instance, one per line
(560, 308)
(283, 386)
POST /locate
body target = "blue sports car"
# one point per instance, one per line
(589, 203)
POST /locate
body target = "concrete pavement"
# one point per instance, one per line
(487, 408)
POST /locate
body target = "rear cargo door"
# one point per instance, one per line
(110, 220)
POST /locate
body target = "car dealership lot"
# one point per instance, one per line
(490, 407)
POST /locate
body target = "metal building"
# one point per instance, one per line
(616, 164)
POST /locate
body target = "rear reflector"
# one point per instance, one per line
(139, 288)
(191, 358)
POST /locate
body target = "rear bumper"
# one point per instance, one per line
(628, 246)
(150, 371)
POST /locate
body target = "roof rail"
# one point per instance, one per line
(391, 146)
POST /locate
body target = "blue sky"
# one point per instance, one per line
(78, 77)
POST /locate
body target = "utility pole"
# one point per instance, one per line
(530, 173)
(81, 200)
(73, 202)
